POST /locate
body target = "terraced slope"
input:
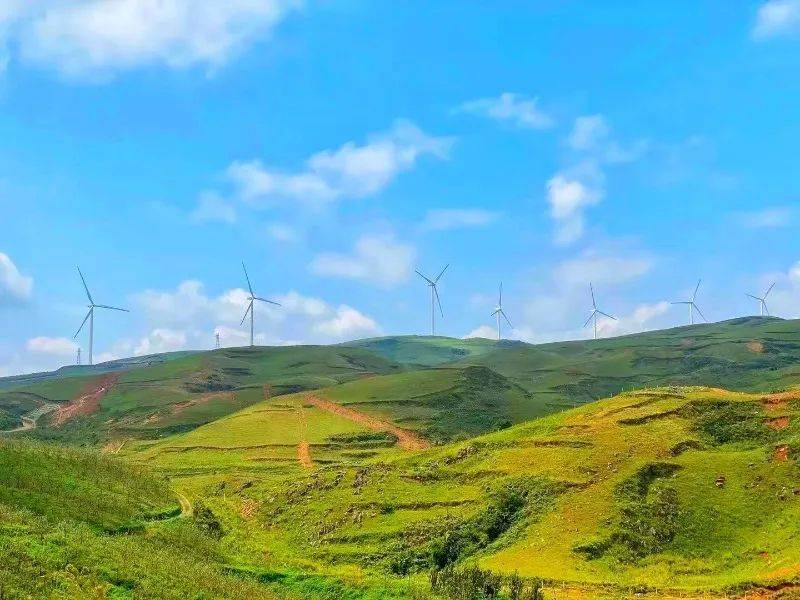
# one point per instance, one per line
(673, 490)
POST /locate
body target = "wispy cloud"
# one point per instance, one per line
(569, 194)
(457, 218)
(212, 208)
(351, 171)
(776, 18)
(14, 286)
(380, 260)
(767, 218)
(519, 110)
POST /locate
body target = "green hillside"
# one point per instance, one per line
(673, 490)
(427, 351)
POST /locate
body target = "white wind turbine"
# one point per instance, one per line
(434, 297)
(251, 300)
(693, 305)
(595, 311)
(762, 301)
(90, 316)
(499, 311)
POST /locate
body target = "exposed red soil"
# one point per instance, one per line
(406, 439)
(755, 346)
(781, 453)
(778, 423)
(249, 508)
(88, 402)
(181, 406)
(779, 400)
(304, 455)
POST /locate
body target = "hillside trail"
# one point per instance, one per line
(186, 506)
(303, 448)
(88, 403)
(31, 420)
(408, 440)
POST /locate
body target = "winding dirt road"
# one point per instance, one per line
(88, 403)
(408, 440)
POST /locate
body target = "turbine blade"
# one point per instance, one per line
(439, 302)
(681, 302)
(695, 289)
(86, 287)
(506, 318)
(265, 300)
(589, 320)
(591, 291)
(111, 307)
(500, 303)
(766, 310)
(249, 308)
(495, 311)
(82, 324)
(246, 276)
(606, 315)
(754, 297)
(699, 312)
(423, 276)
(439, 276)
(769, 289)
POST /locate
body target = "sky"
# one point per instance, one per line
(336, 146)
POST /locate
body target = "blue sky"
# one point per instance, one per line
(336, 146)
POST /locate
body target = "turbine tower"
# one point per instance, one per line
(762, 301)
(692, 305)
(499, 311)
(432, 283)
(595, 311)
(251, 300)
(90, 316)
(79, 357)
(216, 337)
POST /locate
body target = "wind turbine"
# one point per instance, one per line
(762, 302)
(90, 316)
(499, 311)
(251, 300)
(692, 305)
(595, 311)
(434, 297)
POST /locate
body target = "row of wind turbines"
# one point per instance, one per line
(435, 300)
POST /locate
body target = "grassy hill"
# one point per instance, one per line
(672, 490)
(440, 387)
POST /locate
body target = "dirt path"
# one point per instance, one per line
(406, 439)
(88, 403)
(31, 419)
(303, 448)
(186, 506)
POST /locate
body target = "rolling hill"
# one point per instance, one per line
(441, 387)
(673, 490)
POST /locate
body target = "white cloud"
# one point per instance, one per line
(375, 259)
(568, 195)
(96, 38)
(212, 208)
(161, 340)
(14, 286)
(484, 331)
(351, 171)
(592, 134)
(347, 322)
(588, 131)
(643, 318)
(281, 232)
(455, 218)
(777, 17)
(517, 109)
(187, 318)
(602, 268)
(52, 346)
(779, 216)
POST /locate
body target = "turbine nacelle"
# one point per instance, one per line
(90, 315)
(595, 311)
(250, 302)
(432, 284)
